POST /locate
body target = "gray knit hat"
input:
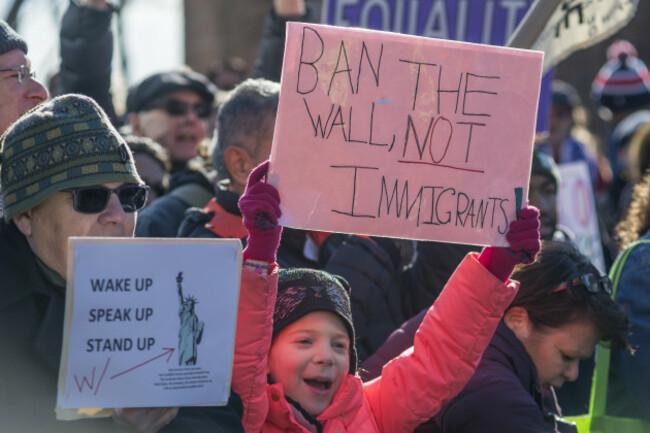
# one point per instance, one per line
(63, 143)
(10, 40)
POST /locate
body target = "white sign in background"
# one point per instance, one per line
(122, 341)
(577, 211)
(580, 24)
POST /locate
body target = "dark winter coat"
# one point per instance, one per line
(32, 307)
(503, 396)
(163, 217)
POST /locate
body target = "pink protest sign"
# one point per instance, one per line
(396, 135)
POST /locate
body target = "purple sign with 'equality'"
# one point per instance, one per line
(482, 21)
(489, 22)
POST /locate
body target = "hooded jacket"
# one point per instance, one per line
(412, 388)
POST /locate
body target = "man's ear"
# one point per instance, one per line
(516, 318)
(133, 120)
(238, 164)
(24, 223)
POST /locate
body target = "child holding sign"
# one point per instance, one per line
(295, 363)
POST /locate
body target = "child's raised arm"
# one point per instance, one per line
(260, 207)
(454, 333)
(524, 240)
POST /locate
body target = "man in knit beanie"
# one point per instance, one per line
(65, 171)
(19, 91)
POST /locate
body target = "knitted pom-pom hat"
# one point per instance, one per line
(623, 83)
(303, 291)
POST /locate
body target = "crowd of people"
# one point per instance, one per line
(353, 333)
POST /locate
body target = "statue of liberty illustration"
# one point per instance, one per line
(191, 330)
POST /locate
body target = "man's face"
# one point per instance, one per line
(17, 98)
(542, 193)
(48, 226)
(179, 133)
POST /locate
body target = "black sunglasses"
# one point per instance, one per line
(174, 107)
(591, 282)
(94, 199)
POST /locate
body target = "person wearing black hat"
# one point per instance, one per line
(172, 108)
(19, 90)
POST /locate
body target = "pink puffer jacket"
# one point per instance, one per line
(412, 387)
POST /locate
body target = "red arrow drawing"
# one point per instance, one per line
(166, 351)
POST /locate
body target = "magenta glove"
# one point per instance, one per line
(260, 208)
(523, 238)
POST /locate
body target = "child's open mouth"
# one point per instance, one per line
(322, 385)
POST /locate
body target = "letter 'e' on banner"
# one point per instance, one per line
(396, 135)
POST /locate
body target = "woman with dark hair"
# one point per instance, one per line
(630, 373)
(563, 309)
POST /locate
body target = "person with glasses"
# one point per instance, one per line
(173, 109)
(19, 90)
(562, 310)
(65, 171)
(629, 380)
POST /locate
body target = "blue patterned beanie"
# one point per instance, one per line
(303, 291)
(63, 143)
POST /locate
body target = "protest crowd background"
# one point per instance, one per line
(177, 147)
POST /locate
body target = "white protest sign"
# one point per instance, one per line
(577, 211)
(397, 135)
(579, 24)
(149, 322)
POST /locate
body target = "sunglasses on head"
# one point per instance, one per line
(94, 199)
(591, 282)
(174, 107)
